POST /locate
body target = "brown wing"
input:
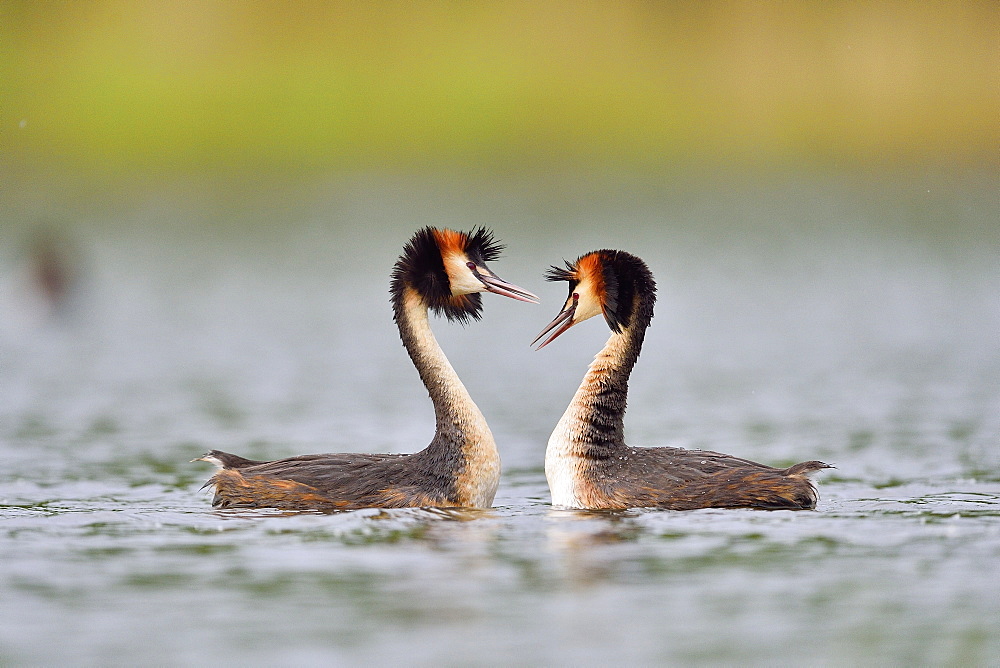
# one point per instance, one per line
(679, 479)
(325, 482)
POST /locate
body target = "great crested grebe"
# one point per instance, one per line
(442, 271)
(587, 463)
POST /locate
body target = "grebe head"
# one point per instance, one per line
(605, 282)
(448, 270)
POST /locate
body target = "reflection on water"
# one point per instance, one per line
(854, 324)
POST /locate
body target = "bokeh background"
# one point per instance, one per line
(116, 88)
(200, 204)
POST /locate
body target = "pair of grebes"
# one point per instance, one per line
(587, 463)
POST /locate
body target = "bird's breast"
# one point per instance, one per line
(563, 466)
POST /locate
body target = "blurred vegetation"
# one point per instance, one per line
(157, 87)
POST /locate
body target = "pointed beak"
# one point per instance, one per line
(560, 324)
(499, 286)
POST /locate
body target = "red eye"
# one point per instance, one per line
(470, 265)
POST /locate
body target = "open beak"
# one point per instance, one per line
(499, 286)
(560, 324)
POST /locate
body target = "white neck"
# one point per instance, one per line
(574, 434)
(461, 431)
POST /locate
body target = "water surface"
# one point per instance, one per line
(850, 320)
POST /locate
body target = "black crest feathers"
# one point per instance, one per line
(421, 267)
(618, 277)
(482, 246)
(567, 273)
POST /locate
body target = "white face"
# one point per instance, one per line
(586, 300)
(460, 276)
(587, 305)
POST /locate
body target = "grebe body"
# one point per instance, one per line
(440, 271)
(587, 463)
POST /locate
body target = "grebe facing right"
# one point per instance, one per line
(587, 463)
(442, 271)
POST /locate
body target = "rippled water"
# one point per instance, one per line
(851, 321)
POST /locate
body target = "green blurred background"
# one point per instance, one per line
(123, 88)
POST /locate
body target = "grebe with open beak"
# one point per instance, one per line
(587, 463)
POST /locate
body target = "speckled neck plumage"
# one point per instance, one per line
(463, 454)
(598, 407)
(592, 431)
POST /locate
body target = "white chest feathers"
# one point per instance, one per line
(562, 467)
